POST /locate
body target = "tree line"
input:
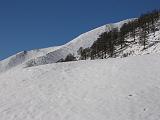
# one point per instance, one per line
(107, 42)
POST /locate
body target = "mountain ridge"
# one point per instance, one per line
(51, 54)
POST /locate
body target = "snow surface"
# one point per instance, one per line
(112, 89)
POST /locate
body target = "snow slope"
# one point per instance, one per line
(85, 40)
(22, 57)
(112, 89)
(135, 49)
(53, 54)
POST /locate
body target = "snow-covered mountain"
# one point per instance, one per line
(23, 56)
(53, 54)
(112, 89)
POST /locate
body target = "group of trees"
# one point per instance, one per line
(69, 57)
(147, 25)
(105, 46)
(107, 42)
(84, 53)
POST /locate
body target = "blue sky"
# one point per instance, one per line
(31, 24)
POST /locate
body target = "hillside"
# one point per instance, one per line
(22, 57)
(113, 89)
(53, 54)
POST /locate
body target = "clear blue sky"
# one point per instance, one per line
(31, 24)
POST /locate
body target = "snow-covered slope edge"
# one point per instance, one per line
(116, 89)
